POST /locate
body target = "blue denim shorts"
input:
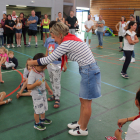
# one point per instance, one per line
(90, 86)
(19, 31)
(45, 30)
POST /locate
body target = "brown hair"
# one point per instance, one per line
(19, 20)
(10, 52)
(27, 63)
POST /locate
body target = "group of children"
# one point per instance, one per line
(34, 83)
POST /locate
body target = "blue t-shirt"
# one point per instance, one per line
(33, 26)
(51, 45)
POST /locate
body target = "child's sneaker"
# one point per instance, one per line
(39, 126)
(45, 121)
(36, 46)
(78, 132)
(73, 125)
(8, 46)
(28, 45)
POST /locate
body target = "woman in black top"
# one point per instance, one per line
(9, 29)
(23, 20)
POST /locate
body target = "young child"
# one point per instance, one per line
(2, 101)
(12, 59)
(38, 85)
(54, 69)
(4, 58)
(18, 31)
(130, 39)
(133, 132)
(26, 72)
(1, 35)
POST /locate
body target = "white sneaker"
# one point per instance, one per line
(133, 60)
(89, 46)
(20, 46)
(8, 46)
(13, 46)
(78, 132)
(73, 125)
(122, 59)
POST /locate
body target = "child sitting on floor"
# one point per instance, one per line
(38, 85)
(2, 101)
(12, 59)
(26, 72)
(4, 60)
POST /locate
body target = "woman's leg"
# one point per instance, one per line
(19, 37)
(8, 39)
(4, 35)
(44, 38)
(85, 113)
(12, 38)
(133, 54)
(1, 81)
(47, 35)
(24, 35)
(127, 61)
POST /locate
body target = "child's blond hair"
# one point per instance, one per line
(10, 52)
(4, 49)
(27, 61)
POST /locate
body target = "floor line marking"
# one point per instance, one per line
(11, 70)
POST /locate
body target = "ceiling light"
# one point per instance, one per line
(21, 6)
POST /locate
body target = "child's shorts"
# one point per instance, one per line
(19, 31)
(40, 103)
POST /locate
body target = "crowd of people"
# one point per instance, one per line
(62, 44)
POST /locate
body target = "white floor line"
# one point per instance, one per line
(11, 70)
(105, 55)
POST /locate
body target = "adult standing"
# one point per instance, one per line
(89, 26)
(45, 23)
(60, 18)
(100, 29)
(9, 29)
(75, 49)
(14, 17)
(121, 30)
(32, 31)
(23, 20)
(3, 26)
(132, 18)
(72, 22)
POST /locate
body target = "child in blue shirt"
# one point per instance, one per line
(54, 69)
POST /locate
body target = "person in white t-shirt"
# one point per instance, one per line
(121, 30)
(14, 16)
(132, 18)
(133, 132)
(130, 39)
(89, 26)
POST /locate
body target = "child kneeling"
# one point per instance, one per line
(38, 85)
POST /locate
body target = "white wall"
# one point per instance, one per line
(55, 5)
(83, 3)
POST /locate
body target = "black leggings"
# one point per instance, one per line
(121, 38)
(10, 38)
(24, 35)
(4, 35)
(128, 55)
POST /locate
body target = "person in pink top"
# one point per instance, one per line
(4, 60)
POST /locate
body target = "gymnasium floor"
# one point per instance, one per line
(117, 101)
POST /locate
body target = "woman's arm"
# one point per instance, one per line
(117, 26)
(43, 22)
(131, 42)
(8, 27)
(60, 50)
(63, 20)
(136, 39)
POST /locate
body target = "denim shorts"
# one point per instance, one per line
(45, 30)
(90, 86)
(19, 31)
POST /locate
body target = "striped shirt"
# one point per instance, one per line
(75, 51)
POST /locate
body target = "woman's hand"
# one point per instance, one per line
(64, 68)
(121, 122)
(32, 62)
(118, 134)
